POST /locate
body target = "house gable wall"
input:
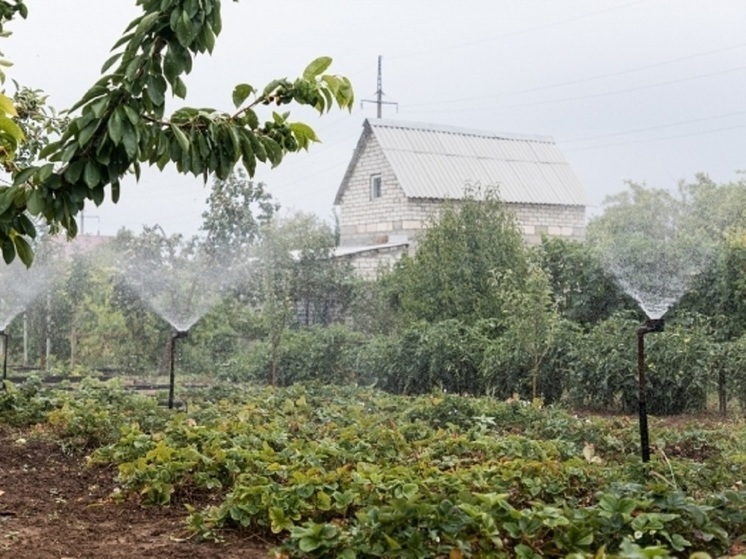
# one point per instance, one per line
(365, 221)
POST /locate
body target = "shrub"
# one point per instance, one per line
(604, 368)
(318, 353)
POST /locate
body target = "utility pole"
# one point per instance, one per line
(379, 94)
(83, 218)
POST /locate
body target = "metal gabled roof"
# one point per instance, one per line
(437, 162)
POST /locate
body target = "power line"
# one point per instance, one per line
(637, 130)
(520, 31)
(590, 95)
(638, 141)
(585, 80)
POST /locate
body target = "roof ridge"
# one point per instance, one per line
(447, 129)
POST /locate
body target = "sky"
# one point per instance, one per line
(649, 91)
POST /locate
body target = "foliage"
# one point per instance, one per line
(40, 124)
(604, 368)
(237, 210)
(583, 291)
(529, 322)
(465, 244)
(120, 124)
(324, 354)
(353, 472)
(720, 292)
(445, 355)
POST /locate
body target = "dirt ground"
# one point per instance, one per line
(53, 507)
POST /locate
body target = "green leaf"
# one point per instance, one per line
(11, 128)
(110, 62)
(303, 133)
(146, 22)
(114, 127)
(9, 251)
(179, 88)
(26, 226)
(129, 140)
(87, 133)
(23, 249)
(35, 203)
(181, 138)
(24, 175)
(74, 171)
(184, 29)
(115, 191)
(274, 151)
(91, 175)
(97, 195)
(6, 197)
(317, 67)
(156, 89)
(7, 106)
(241, 92)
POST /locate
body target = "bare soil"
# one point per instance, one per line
(52, 506)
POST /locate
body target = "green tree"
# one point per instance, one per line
(120, 122)
(583, 291)
(323, 287)
(451, 274)
(529, 324)
(237, 210)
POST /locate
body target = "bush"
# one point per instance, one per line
(604, 368)
(318, 353)
(443, 355)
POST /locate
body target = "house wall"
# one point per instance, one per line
(365, 221)
(367, 264)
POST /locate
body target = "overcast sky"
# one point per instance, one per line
(651, 91)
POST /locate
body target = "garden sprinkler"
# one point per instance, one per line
(174, 336)
(651, 325)
(5, 335)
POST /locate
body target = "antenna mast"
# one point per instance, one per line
(379, 94)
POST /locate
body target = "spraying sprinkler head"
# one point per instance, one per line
(179, 334)
(652, 325)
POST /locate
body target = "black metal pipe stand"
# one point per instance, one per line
(651, 325)
(174, 336)
(6, 337)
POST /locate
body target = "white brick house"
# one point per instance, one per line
(401, 172)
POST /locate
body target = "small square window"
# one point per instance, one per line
(375, 186)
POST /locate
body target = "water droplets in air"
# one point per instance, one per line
(654, 245)
(20, 286)
(179, 282)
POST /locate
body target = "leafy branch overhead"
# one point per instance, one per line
(120, 122)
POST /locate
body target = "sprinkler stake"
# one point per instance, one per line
(174, 336)
(5, 336)
(651, 325)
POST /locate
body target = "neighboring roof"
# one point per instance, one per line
(350, 250)
(80, 244)
(437, 162)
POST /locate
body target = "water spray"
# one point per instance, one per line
(5, 337)
(174, 336)
(651, 325)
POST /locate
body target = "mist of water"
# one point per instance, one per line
(181, 290)
(656, 280)
(654, 251)
(20, 286)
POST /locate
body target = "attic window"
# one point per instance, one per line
(375, 186)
